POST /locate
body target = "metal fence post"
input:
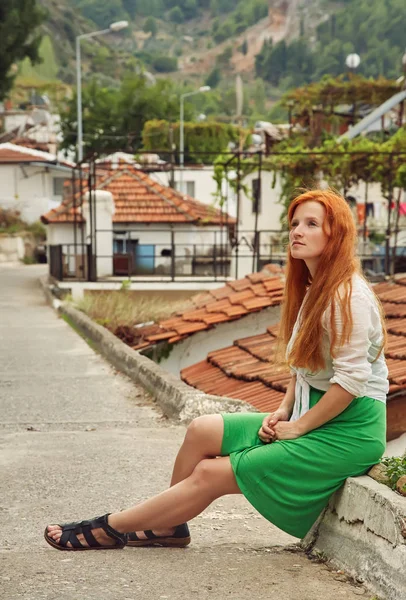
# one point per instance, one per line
(172, 255)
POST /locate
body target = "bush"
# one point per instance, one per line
(395, 468)
(165, 64)
(176, 15)
(150, 26)
(213, 78)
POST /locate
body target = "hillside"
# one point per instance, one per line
(275, 45)
(194, 33)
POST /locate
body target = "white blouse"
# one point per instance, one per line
(353, 368)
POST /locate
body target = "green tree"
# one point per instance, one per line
(113, 119)
(213, 78)
(165, 64)
(244, 47)
(259, 96)
(190, 8)
(176, 15)
(147, 8)
(150, 26)
(103, 13)
(19, 37)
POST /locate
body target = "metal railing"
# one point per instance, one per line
(217, 257)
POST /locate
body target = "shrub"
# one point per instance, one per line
(165, 64)
(176, 15)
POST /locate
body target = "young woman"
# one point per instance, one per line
(330, 425)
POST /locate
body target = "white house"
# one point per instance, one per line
(31, 181)
(139, 227)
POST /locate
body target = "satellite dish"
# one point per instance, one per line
(239, 91)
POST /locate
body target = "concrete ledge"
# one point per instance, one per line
(363, 531)
(176, 399)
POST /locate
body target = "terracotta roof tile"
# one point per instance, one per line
(213, 318)
(240, 297)
(235, 311)
(240, 284)
(210, 308)
(140, 199)
(174, 339)
(212, 380)
(14, 154)
(256, 303)
(188, 328)
(257, 277)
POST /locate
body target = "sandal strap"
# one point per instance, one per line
(150, 535)
(70, 531)
(180, 532)
(133, 537)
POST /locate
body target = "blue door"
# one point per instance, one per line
(144, 259)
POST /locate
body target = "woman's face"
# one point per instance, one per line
(307, 238)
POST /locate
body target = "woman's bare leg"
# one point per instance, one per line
(203, 439)
(180, 503)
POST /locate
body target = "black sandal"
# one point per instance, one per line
(179, 539)
(70, 531)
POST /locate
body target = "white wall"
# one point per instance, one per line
(269, 214)
(270, 207)
(187, 239)
(62, 233)
(205, 186)
(191, 238)
(28, 189)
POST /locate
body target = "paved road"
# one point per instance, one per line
(78, 439)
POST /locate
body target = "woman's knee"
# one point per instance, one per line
(203, 428)
(205, 473)
(215, 476)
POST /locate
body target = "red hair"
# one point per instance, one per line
(336, 267)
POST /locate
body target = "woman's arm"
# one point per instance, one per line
(289, 398)
(334, 402)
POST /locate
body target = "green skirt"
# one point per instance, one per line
(290, 481)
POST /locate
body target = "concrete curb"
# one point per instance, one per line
(176, 399)
(363, 531)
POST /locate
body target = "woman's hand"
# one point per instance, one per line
(267, 431)
(287, 431)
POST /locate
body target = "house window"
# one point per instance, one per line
(256, 195)
(58, 186)
(188, 186)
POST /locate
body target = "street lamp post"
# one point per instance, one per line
(114, 27)
(353, 61)
(204, 88)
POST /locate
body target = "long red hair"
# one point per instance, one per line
(337, 265)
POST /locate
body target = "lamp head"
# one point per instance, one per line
(118, 25)
(353, 61)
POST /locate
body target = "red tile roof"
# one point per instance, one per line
(246, 370)
(140, 199)
(209, 308)
(16, 154)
